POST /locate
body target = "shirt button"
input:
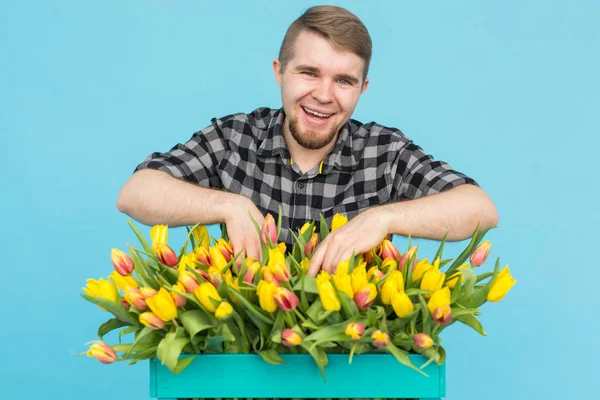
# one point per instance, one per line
(301, 185)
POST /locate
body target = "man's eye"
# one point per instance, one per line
(343, 82)
(307, 73)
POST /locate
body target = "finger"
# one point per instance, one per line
(317, 259)
(253, 249)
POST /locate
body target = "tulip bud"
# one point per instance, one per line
(219, 261)
(225, 248)
(147, 292)
(223, 311)
(203, 255)
(201, 236)
(215, 276)
(179, 300)
(166, 255)
(422, 341)
(406, 257)
(290, 338)
(304, 264)
(359, 277)
(380, 339)
(375, 272)
(151, 320)
(442, 315)
(189, 281)
(266, 295)
(338, 221)
(269, 231)
(269, 276)
(327, 292)
(369, 257)
(401, 304)
(389, 264)
(388, 250)
(102, 352)
(101, 288)
(285, 299)
(433, 279)
(206, 293)
(124, 303)
(364, 297)
(123, 282)
(439, 299)
(251, 272)
(355, 330)
(480, 254)
(278, 265)
(311, 244)
(421, 267)
(501, 285)
(393, 284)
(122, 262)
(162, 305)
(134, 297)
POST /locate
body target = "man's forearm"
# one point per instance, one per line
(456, 212)
(154, 197)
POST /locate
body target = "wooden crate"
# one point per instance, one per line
(248, 376)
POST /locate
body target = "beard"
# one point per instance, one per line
(310, 140)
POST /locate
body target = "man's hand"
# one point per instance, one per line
(359, 235)
(241, 230)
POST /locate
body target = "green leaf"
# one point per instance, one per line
(310, 284)
(140, 237)
(129, 330)
(252, 308)
(475, 240)
(115, 308)
(318, 354)
(415, 291)
(471, 321)
(438, 255)
(271, 356)
(140, 336)
(332, 330)
(402, 356)
(196, 321)
(182, 364)
(323, 228)
(110, 325)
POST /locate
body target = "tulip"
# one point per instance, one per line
(162, 305)
(338, 221)
(179, 300)
(422, 341)
(451, 283)
(401, 304)
(501, 285)
(122, 262)
(327, 293)
(439, 299)
(304, 264)
(266, 295)
(285, 299)
(442, 315)
(393, 284)
(375, 272)
(364, 298)
(388, 250)
(433, 279)
(359, 277)
(187, 262)
(389, 264)
(369, 256)
(305, 228)
(311, 245)
(151, 320)
(203, 255)
(166, 255)
(290, 338)
(206, 293)
(269, 276)
(406, 257)
(159, 234)
(480, 254)
(215, 276)
(223, 311)
(124, 303)
(147, 292)
(355, 330)
(189, 281)
(134, 297)
(225, 249)
(218, 259)
(420, 268)
(282, 247)
(380, 339)
(278, 265)
(268, 233)
(124, 282)
(342, 280)
(101, 288)
(251, 272)
(201, 236)
(102, 352)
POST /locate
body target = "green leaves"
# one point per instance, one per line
(115, 308)
(271, 356)
(402, 356)
(195, 321)
(111, 324)
(169, 350)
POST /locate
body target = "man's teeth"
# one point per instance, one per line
(316, 113)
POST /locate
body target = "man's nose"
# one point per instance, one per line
(323, 92)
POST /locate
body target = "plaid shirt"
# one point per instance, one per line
(246, 154)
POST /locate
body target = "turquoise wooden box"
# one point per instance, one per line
(247, 375)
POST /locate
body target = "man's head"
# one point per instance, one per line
(322, 70)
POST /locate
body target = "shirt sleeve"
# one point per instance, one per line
(195, 161)
(418, 175)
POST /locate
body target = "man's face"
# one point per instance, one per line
(320, 88)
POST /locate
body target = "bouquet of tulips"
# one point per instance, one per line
(207, 300)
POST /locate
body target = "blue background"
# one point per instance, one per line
(507, 92)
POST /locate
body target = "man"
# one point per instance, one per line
(309, 158)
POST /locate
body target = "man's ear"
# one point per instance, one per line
(277, 70)
(365, 86)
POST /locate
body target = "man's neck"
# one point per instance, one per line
(306, 159)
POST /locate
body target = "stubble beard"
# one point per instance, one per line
(310, 140)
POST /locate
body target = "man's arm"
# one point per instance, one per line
(456, 212)
(154, 197)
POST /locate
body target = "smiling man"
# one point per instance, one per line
(310, 158)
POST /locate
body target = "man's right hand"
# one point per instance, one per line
(241, 230)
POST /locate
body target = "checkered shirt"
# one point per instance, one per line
(246, 154)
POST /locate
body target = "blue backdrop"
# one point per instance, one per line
(507, 92)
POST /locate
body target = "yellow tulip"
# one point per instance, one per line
(205, 292)
(151, 320)
(327, 292)
(375, 272)
(268, 233)
(389, 264)
(178, 299)
(388, 250)
(311, 245)
(203, 255)
(202, 237)
(123, 282)
(364, 298)
(218, 260)
(423, 341)
(305, 228)
(433, 279)
(102, 352)
(393, 284)
(439, 299)
(380, 339)
(122, 262)
(502, 284)
(187, 260)
(338, 221)
(401, 304)
(101, 288)
(420, 268)
(304, 264)
(159, 235)
(289, 338)
(359, 277)
(225, 248)
(278, 265)
(135, 298)
(223, 311)
(266, 295)
(355, 330)
(162, 305)
(451, 283)
(342, 280)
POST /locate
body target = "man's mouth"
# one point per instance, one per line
(316, 113)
